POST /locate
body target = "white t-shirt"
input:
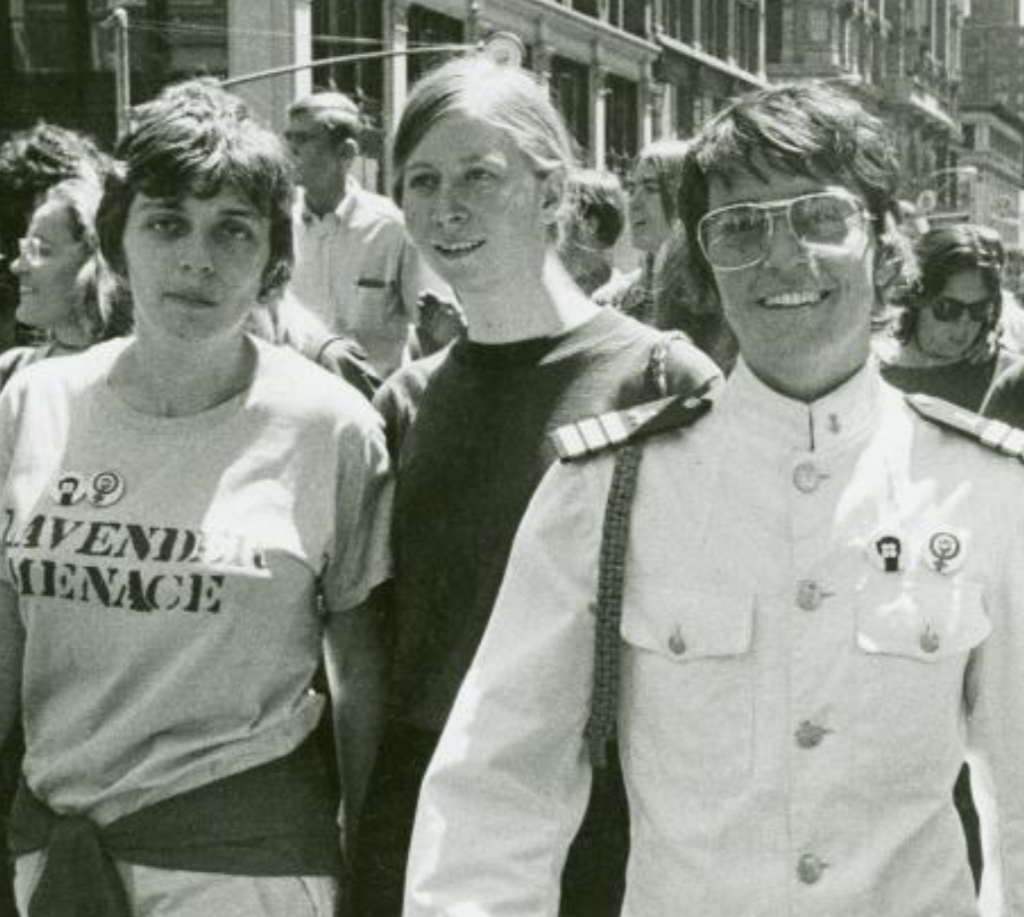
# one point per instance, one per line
(169, 569)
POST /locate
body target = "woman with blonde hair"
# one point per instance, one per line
(481, 159)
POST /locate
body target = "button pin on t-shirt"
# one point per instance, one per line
(69, 488)
(106, 488)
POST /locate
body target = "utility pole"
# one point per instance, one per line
(118, 21)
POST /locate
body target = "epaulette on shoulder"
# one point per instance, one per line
(994, 434)
(593, 435)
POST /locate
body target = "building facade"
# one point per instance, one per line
(622, 72)
(993, 166)
(901, 58)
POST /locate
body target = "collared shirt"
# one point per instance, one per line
(822, 615)
(359, 272)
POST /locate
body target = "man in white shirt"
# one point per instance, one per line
(822, 609)
(355, 266)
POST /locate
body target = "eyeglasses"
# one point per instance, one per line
(950, 310)
(739, 235)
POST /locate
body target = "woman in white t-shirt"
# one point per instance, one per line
(190, 517)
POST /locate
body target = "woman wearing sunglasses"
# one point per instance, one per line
(945, 338)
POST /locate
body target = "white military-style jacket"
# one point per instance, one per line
(823, 614)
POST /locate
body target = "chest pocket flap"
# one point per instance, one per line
(924, 620)
(689, 625)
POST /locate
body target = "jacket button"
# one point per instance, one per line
(809, 869)
(806, 477)
(930, 641)
(810, 735)
(677, 644)
(809, 595)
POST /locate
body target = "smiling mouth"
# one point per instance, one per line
(798, 300)
(456, 249)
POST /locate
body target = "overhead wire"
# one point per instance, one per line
(156, 25)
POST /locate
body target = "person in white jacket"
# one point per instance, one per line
(822, 609)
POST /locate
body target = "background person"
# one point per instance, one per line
(480, 161)
(944, 341)
(653, 187)
(218, 510)
(354, 265)
(65, 287)
(680, 305)
(589, 228)
(796, 691)
(284, 320)
(32, 161)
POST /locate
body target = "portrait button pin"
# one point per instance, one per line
(69, 488)
(106, 488)
(886, 552)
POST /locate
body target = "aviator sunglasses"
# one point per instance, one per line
(949, 310)
(739, 235)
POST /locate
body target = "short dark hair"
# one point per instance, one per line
(812, 129)
(34, 160)
(597, 195)
(943, 252)
(197, 140)
(334, 111)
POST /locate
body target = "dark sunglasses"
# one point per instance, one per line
(950, 310)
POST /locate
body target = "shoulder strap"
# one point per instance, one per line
(611, 578)
(994, 434)
(594, 435)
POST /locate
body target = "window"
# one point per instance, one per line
(774, 31)
(679, 19)
(195, 37)
(429, 28)
(570, 91)
(714, 27)
(634, 17)
(42, 34)
(333, 23)
(622, 124)
(747, 36)
(817, 25)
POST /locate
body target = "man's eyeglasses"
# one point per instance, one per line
(950, 310)
(740, 235)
